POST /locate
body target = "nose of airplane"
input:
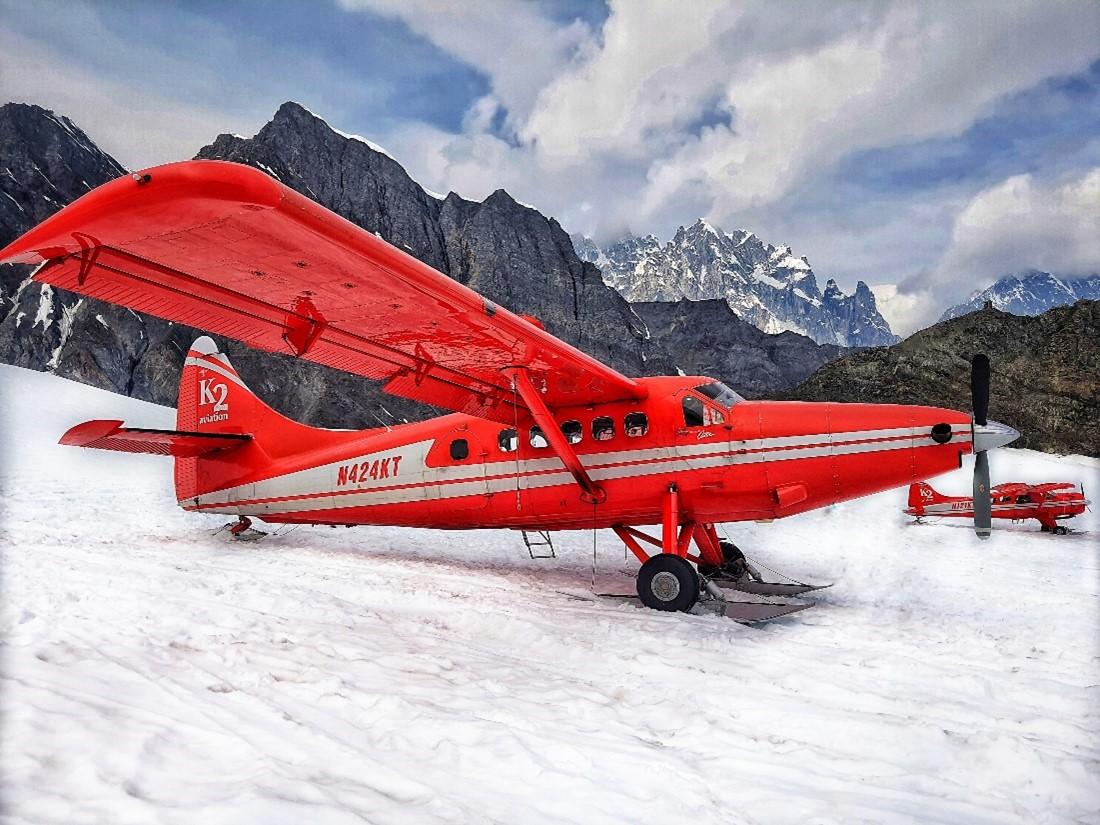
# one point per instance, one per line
(993, 434)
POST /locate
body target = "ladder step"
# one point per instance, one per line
(542, 540)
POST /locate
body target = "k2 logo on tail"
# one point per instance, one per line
(215, 395)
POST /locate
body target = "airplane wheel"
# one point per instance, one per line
(1060, 530)
(733, 562)
(668, 582)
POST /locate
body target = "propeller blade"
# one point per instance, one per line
(983, 505)
(979, 387)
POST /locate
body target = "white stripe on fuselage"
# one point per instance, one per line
(314, 488)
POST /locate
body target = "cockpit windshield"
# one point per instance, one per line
(719, 393)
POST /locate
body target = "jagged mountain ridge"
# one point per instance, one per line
(766, 285)
(710, 339)
(1029, 293)
(508, 252)
(1046, 373)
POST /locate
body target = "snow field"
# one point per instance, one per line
(154, 672)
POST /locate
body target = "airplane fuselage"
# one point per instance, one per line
(741, 461)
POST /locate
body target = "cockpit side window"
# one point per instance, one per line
(719, 393)
(693, 411)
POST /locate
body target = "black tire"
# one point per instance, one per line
(1060, 530)
(668, 582)
(733, 562)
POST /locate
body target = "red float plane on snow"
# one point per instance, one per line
(543, 437)
(1048, 503)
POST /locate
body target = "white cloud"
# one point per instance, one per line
(918, 72)
(619, 112)
(1023, 223)
(137, 127)
(518, 48)
(906, 312)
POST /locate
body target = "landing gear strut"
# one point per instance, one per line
(734, 567)
(669, 581)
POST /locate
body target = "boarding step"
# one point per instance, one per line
(539, 545)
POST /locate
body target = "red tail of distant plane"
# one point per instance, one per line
(921, 495)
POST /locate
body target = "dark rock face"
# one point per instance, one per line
(47, 163)
(508, 252)
(1046, 373)
(710, 339)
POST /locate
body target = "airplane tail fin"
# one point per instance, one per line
(214, 401)
(921, 495)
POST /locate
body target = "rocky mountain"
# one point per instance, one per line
(1029, 293)
(708, 338)
(766, 285)
(510, 253)
(1046, 373)
(47, 162)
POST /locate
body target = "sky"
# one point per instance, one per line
(926, 148)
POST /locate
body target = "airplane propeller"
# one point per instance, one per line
(986, 435)
(979, 395)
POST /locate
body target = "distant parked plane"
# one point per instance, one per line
(1047, 503)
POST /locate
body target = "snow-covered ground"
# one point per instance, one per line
(154, 672)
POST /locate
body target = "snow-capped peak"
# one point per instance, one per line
(766, 285)
(1029, 293)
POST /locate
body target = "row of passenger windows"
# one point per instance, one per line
(635, 425)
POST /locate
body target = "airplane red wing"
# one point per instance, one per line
(111, 435)
(225, 248)
(1052, 486)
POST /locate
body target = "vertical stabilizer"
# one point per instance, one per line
(214, 399)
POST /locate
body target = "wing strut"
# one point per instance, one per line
(593, 493)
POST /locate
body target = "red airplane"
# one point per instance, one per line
(543, 437)
(1048, 503)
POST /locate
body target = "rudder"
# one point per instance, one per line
(921, 495)
(213, 398)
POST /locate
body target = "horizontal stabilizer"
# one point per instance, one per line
(111, 435)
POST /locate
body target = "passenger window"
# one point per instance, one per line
(538, 438)
(460, 449)
(508, 441)
(635, 424)
(603, 428)
(573, 431)
(693, 411)
(714, 416)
